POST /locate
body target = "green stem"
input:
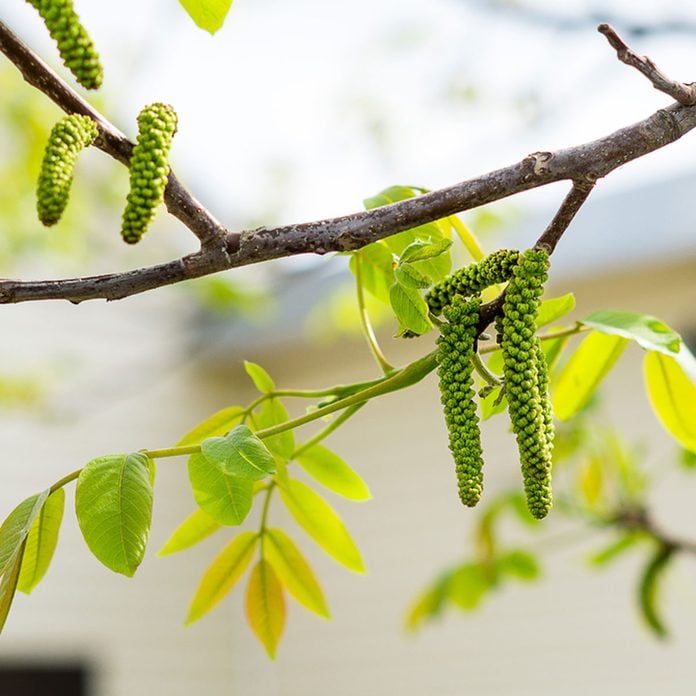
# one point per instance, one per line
(65, 480)
(322, 434)
(172, 451)
(384, 364)
(264, 517)
(487, 376)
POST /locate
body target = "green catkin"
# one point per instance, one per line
(74, 45)
(149, 169)
(456, 346)
(526, 379)
(68, 137)
(472, 279)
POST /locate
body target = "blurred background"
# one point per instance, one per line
(298, 111)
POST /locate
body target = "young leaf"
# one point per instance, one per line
(41, 542)
(592, 481)
(272, 412)
(322, 523)
(410, 277)
(673, 397)
(222, 574)
(410, 308)
(225, 498)
(376, 269)
(421, 250)
(519, 564)
(648, 589)
(617, 548)
(585, 370)
(207, 14)
(649, 332)
(332, 472)
(262, 380)
(16, 527)
(239, 453)
(265, 606)
(468, 585)
(294, 571)
(554, 308)
(113, 502)
(8, 583)
(197, 526)
(426, 606)
(219, 423)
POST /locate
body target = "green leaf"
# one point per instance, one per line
(426, 606)
(409, 277)
(647, 331)
(16, 527)
(41, 542)
(226, 498)
(332, 472)
(420, 250)
(410, 308)
(468, 585)
(8, 583)
(294, 571)
(197, 526)
(113, 502)
(262, 380)
(624, 543)
(272, 412)
(322, 523)
(688, 459)
(584, 372)
(222, 574)
(219, 423)
(376, 269)
(649, 587)
(592, 481)
(519, 564)
(673, 397)
(265, 606)
(239, 453)
(555, 308)
(207, 14)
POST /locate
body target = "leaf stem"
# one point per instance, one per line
(334, 425)
(64, 481)
(384, 364)
(487, 376)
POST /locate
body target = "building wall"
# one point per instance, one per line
(133, 385)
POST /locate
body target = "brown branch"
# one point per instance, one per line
(639, 520)
(680, 92)
(583, 164)
(178, 200)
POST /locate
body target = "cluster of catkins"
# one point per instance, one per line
(525, 371)
(157, 123)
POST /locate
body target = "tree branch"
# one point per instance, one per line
(583, 164)
(180, 203)
(680, 92)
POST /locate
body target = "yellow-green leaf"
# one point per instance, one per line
(584, 372)
(649, 587)
(272, 412)
(294, 571)
(41, 542)
(219, 423)
(222, 574)
(8, 583)
(207, 14)
(15, 528)
(197, 526)
(322, 523)
(265, 606)
(261, 379)
(331, 471)
(591, 481)
(554, 308)
(113, 502)
(673, 397)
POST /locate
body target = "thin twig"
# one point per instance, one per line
(680, 92)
